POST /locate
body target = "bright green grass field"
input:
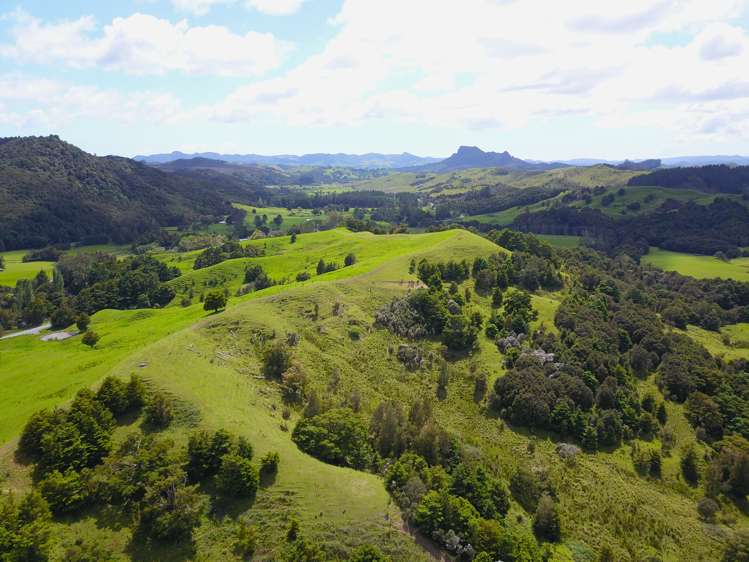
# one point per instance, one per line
(700, 267)
(732, 342)
(36, 374)
(291, 218)
(16, 269)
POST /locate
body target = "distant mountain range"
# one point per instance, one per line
(465, 157)
(366, 161)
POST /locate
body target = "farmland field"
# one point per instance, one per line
(700, 267)
(16, 268)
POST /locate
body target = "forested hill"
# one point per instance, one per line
(53, 192)
(715, 179)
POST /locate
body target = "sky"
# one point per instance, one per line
(542, 79)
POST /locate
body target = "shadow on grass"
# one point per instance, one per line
(268, 478)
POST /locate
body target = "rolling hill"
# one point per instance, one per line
(52, 192)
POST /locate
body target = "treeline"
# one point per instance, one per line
(722, 226)
(714, 179)
(76, 466)
(83, 284)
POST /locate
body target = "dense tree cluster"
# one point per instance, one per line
(231, 249)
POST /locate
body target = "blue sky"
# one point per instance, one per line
(544, 80)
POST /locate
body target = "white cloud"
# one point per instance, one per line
(27, 101)
(143, 44)
(408, 61)
(198, 7)
(269, 7)
(276, 7)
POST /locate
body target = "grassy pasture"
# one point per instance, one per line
(16, 268)
(212, 363)
(700, 267)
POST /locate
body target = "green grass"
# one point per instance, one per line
(700, 267)
(649, 199)
(732, 342)
(16, 269)
(41, 374)
(303, 218)
(213, 364)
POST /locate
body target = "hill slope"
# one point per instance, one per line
(52, 192)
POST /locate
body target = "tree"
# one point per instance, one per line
(497, 297)
(159, 410)
(278, 221)
(689, 466)
(170, 508)
(215, 301)
(546, 523)
(337, 436)
(276, 361)
(237, 477)
(320, 266)
(82, 322)
(269, 463)
(349, 260)
(64, 492)
(293, 237)
(113, 394)
(90, 338)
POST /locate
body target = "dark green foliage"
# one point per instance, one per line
(440, 513)
(113, 393)
(159, 410)
(39, 424)
(237, 477)
(62, 194)
(90, 338)
(349, 260)
(205, 452)
(546, 522)
(64, 492)
(689, 466)
(62, 317)
(82, 322)
(488, 495)
(136, 392)
(459, 333)
(729, 471)
(323, 267)
(25, 530)
(269, 463)
(231, 249)
(276, 360)
(215, 301)
(171, 509)
(337, 436)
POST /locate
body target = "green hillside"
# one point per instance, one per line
(701, 267)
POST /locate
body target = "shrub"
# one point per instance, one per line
(546, 523)
(170, 508)
(159, 410)
(64, 492)
(90, 338)
(349, 260)
(337, 436)
(215, 301)
(82, 322)
(113, 394)
(246, 540)
(368, 553)
(276, 361)
(269, 463)
(136, 392)
(294, 384)
(205, 451)
(237, 476)
(707, 508)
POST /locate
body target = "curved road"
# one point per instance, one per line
(29, 332)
